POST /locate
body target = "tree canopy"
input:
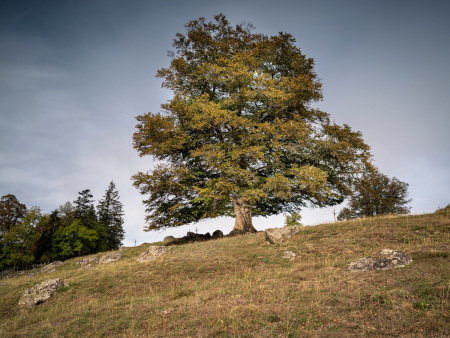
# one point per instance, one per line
(11, 211)
(29, 236)
(240, 135)
(377, 194)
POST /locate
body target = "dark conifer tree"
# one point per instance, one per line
(84, 207)
(110, 215)
(85, 213)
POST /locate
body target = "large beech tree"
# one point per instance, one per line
(240, 136)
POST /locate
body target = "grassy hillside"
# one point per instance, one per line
(241, 286)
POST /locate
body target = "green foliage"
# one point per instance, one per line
(346, 214)
(240, 131)
(110, 216)
(16, 244)
(78, 230)
(71, 230)
(42, 246)
(377, 194)
(66, 213)
(84, 211)
(84, 207)
(11, 212)
(293, 219)
(74, 240)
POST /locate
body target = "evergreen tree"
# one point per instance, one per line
(240, 137)
(377, 194)
(84, 211)
(110, 214)
(84, 208)
(293, 219)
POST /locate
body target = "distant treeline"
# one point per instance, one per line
(74, 229)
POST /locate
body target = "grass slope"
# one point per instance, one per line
(241, 286)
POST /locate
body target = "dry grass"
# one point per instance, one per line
(242, 287)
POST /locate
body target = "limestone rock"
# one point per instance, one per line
(88, 260)
(289, 255)
(40, 292)
(384, 260)
(152, 253)
(217, 234)
(110, 257)
(51, 267)
(280, 235)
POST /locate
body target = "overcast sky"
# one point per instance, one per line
(74, 74)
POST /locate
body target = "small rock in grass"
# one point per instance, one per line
(89, 260)
(386, 259)
(152, 253)
(289, 255)
(51, 267)
(110, 257)
(280, 235)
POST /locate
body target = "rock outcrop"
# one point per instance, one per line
(152, 253)
(51, 267)
(280, 235)
(384, 260)
(40, 292)
(110, 257)
(88, 261)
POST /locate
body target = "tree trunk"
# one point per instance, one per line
(243, 212)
